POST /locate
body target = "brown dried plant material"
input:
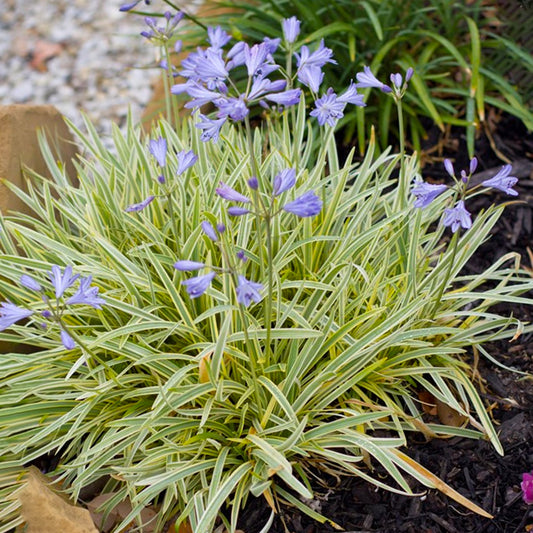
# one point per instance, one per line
(185, 527)
(449, 416)
(44, 511)
(428, 402)
(118, 514)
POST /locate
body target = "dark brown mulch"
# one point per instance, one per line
(473, 468)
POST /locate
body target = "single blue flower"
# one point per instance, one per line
(253, 183)
(328, 109)
(236, 55)
(231, 195)
(86, 294)
(448, 165)
(307, 205)
(473, 165)
(62, 281)
(199, 95)
(188, 266)
(425, 193)
(351, 96)
(234, 108)
(457, 217)
(131, 5)
(67, 340)
(210, 128)
(241, 255)
(284, 181)
(502, 181)
(285, 98)
(311, 76)
(209, 230)
(367, 79)
(212, 70)
(30, 283)
(261, 86)
(291, 29)
(140, 206)
(397, 80)
(236, 211)
(10, 313)
(217, 37)
(248, 291)
(255, 57)
(318, 58)
(158, 148)
(272, 45)
(198, 285)
(185, 161)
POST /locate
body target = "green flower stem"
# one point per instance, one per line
(268, 233)
(172, 215)
(249, 138)
(256, 195)
(169, 97)
(402, 185)
(288, 71)
(251, 352)
(84, 347)
(444, 284)
(268, 302)
(251, 349)
(166, 86)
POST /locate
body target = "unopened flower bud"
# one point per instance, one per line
(473, 165)
(448, 165)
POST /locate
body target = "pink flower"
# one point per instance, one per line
(527, 487)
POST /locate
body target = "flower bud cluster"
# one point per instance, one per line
(458, 216)
(158, 148)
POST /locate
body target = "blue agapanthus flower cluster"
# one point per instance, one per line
(159, 34)
(246, 291)
(61, 281)
(458, 216)
(305, 205)
(208, 70)
(208, 73)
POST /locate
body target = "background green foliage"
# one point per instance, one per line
(461, 53)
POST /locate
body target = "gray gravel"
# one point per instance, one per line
(95, 51)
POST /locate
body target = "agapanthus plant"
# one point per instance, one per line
(269, 311)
